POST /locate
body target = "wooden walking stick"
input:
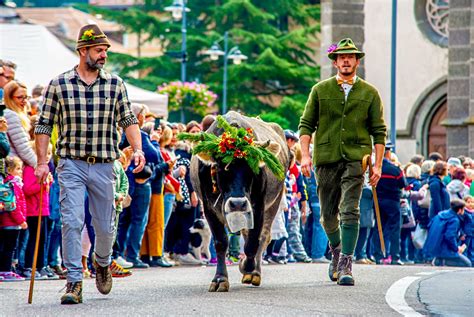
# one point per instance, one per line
(35, 256)
(367, 162)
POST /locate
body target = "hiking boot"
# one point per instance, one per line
(344, 270)
(334, 262)
(73, 293)
(103, 278)
(118, 271)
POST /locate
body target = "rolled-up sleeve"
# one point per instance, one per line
(49, 111)
(124, 114)
(309, 120)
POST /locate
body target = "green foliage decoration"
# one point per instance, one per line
(234, 143)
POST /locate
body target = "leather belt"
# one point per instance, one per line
(90, 159)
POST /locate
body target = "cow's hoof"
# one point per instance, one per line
(221, 285)
(256, 280)
(247, 279)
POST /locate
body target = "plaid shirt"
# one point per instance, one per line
(87, 116)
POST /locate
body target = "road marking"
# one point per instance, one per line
(395, 296)
(426, 273)
(434, 272)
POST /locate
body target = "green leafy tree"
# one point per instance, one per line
(278, 36)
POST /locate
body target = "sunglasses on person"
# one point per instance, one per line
(21, 97)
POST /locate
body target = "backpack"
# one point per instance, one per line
(7, 197)
(426, 201)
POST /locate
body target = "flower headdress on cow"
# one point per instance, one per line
(235, 143)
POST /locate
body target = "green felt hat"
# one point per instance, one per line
(345, 46)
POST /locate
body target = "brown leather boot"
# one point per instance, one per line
(344, 270)
(332, 272)
(73, 293)
(103, 278)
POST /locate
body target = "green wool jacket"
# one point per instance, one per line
(343, 128)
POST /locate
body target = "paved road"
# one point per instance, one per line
(297, 289)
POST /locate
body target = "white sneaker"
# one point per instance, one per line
(123, 263)
(187, 259)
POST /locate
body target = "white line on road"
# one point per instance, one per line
(395, 296)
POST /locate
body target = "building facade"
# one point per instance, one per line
(435, 67)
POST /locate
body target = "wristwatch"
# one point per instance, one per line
(139, 152)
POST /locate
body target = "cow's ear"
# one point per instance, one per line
(273, 147)
(205, 158)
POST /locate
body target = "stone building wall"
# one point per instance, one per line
(459, 123)
(340, 19)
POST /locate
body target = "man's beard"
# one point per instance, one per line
(349, 72)
(94, 65)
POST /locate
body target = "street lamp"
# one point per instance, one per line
(234, 54)
(178, 11)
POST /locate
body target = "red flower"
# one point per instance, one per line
(239, 154)
(248, 139)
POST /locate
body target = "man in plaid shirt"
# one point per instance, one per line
(88, 105)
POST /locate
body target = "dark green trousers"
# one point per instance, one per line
(339, 190)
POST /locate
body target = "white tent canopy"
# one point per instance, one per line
(40, 56)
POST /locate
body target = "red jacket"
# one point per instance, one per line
(31, 188)
(171, 184)
(17, 216)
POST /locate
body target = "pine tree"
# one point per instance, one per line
(278, 37)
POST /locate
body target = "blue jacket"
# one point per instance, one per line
(4, 145)
(439, 196)
(151, 157)
(443, 233)
(391, 182)
(160, 169)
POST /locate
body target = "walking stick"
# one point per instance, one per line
(35, 256)
(367, 162)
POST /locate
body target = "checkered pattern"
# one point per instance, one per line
(87, 115)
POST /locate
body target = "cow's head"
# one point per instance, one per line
(236, 179)
(236, 158)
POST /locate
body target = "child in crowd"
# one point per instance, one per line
(468, 227)
(121, 197)
(11, 222)
(32, 190)
(278, 234)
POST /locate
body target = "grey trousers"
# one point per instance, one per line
(98, 180)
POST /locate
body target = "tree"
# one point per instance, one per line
(276, 35)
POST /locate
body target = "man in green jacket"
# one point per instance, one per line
(346, 114)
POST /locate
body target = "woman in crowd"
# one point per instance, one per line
(439, 194)
(18, 122)
(457, 187)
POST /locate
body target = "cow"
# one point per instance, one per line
(237, 189)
